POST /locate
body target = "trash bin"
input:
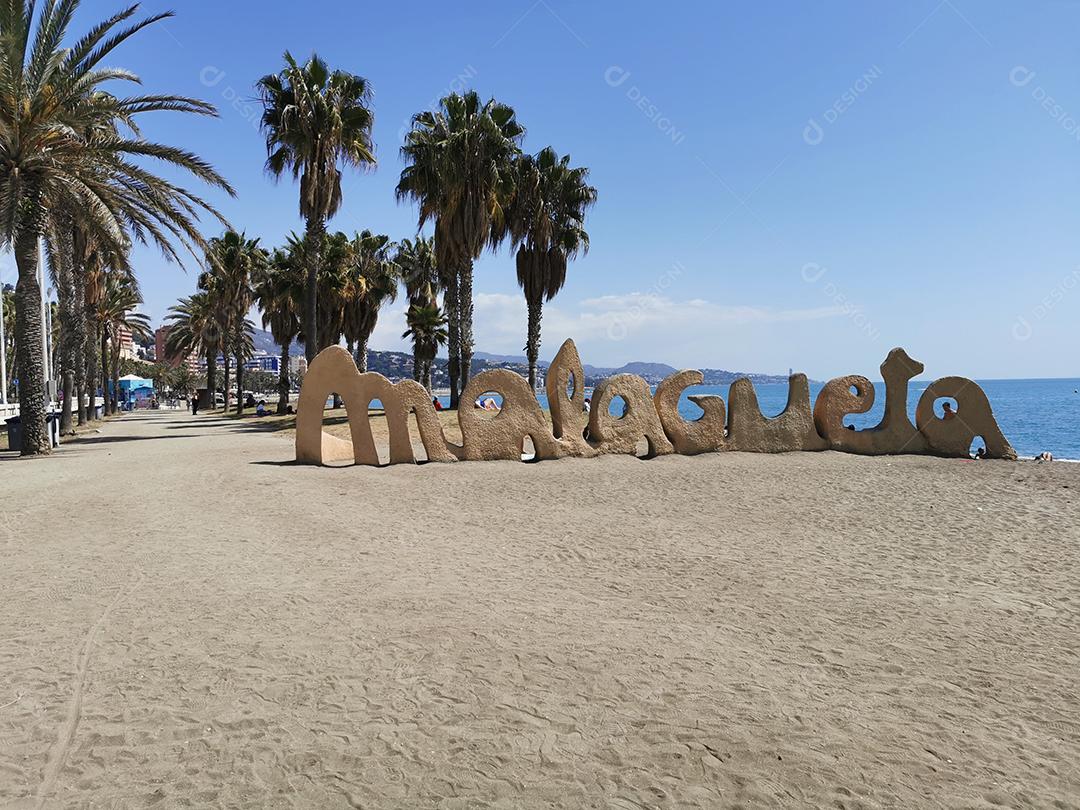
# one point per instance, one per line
(14, 433)
(14, 430)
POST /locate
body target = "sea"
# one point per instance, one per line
(1034, 415)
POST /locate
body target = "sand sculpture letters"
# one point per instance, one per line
(648, 417)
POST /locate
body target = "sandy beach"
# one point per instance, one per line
(218, 627)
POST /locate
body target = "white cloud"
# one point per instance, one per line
(613, 329)
(388, 329)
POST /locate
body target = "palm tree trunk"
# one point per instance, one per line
(9, 353)
(29, 356)
(65, 293)
(453, 344)
(465, 313)
(91, 360)
(283, 379)
(225, 356)
(239, 384)
(68, 387)
(425, 372)
(78, 335)
(211, 378)
(105, 395)
(316, 233)
(361, 353)
(115, 351)
(532, 344)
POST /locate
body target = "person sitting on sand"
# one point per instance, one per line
(949, 412)
(980, 453)
(1045, 455)
(490, 405)
(260, 409)
(436, 403)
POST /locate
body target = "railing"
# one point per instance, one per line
(12, 409)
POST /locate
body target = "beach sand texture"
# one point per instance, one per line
(188, 620)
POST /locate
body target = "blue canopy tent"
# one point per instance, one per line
(135, 391)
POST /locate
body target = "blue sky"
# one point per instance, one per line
(781, 184)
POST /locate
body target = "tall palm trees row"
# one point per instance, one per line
(469, 177)
(466, 172)
(356, 276)
(74, 175)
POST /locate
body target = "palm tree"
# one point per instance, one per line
(91, 259)
(427, 328)
(81, 248)
(60, 254)
(279, 292)
(375, 281)
(7, 312)
(460, 161)
(58, 152)
(416, 263)
(242, 345)
(546, 223)
(337, 286)
(315, 121)
(194, 329)
(117, 315)
(181, 379)
(99, 269)
(234, 261)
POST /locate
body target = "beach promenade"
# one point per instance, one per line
(190, 620)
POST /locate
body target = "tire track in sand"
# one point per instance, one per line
(59, 751)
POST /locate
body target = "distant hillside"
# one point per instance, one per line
(398, 366)
(512, 359)
(652, 372)
(265, 344)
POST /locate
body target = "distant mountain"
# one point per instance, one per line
(716, 376)
(513, 359)
(654, 373)
(265, 344)
(398, 365)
